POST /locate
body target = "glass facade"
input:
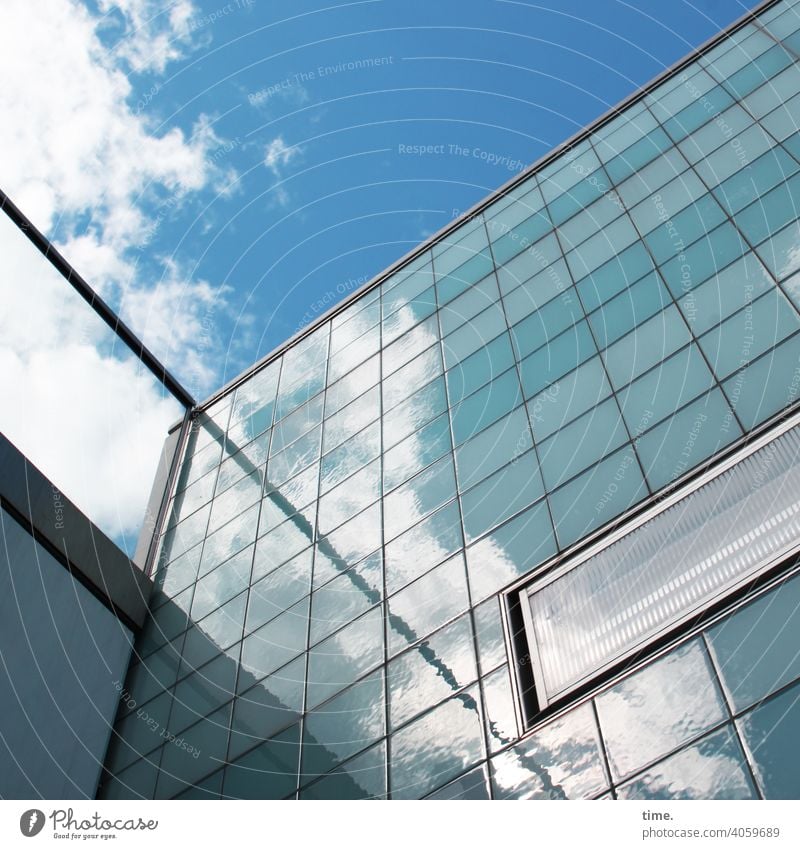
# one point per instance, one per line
(327, 621)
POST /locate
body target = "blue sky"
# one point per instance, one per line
(491, 85)
(223, 171)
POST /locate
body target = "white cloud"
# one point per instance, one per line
(155, 32)
(92, 422)
(277, 156)
(75, 148)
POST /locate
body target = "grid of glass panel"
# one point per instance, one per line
(327, 620)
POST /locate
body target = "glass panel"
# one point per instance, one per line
(418, 410)
(348, 654)
(417, 451)
(597, 496)
(350, 497)
(351, 419)
(664, 389)
(750, 332)
(753, 648)
(473, 785)
(682, 442)
(648, 344)
(432, 671)
(343, 726)
(267, 772)
(403, 287)
(486, 406)
(660, 707)
(270, 705)
(705, 257)
(562, 761)
(202, 753)
(222, 584)
(232, 537)
(281, 544)
(493, 448)
(473, 335)
(468, 305)
(522, 300)
(506, 492)
(436, 747)
(363, 777)
(628, 309)
(359, 537)
(277, 642)
(771, 212)
(545, 324)
(722, 295)
(764, 388)
(712, 769)
(301, 453)
(353, 385)
(566, 352)
(350, 457)
(767, 171)
(406, 380)
(427, 603)
(414, 500)
(568, 397)
(574, 447)
(489, 361)
(489, 635)
(347, 596)
(617, 274)
(409, 345)
(510, 551)
(422, 547)
(770, 734)
(295, 425)
(279, 590)
(410, 314)
(501, 724)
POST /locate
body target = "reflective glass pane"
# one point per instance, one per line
(415, 452)
(660, 707)
(421, 495)
(714, 768)
(423, 546)
(277, 642)
(770, 734)
(262, 710)
(348, 654)
(362, 777)
(753, 648)
(436, 747)
(510, 551)
(500, 496)
(427, 603)
(493, 448)
(347, 596)
(343, 726)
(268, 771)
(429, 673)
(562, 761)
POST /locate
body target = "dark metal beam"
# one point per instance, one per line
(137, 347)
